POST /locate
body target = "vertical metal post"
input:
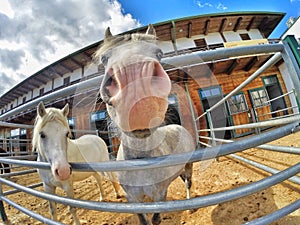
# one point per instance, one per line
(293, 68)
(211, 127)
(192, 113)
(2, 210)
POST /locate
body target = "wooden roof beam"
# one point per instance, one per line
(251, 63)
(76, 62)
(66, 68)
(207, 23)
(40, 80)
(238, 23)
(250, 23)
(263, 22)
(232, 66)
(223, 25)
(189, 30)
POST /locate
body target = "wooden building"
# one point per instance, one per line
(195, 89)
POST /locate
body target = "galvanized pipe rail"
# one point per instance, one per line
(168, 206)
(172, 160)
(176, 61)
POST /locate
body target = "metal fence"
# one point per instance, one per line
(284, 126)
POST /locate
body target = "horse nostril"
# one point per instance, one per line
(56, 172)
(70, 170)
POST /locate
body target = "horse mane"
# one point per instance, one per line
(52, 114)
(118, 40)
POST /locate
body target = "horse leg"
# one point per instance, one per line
(99, 179)
(115, 184)
(52, 205)
(135, 194)
(159, 195)
(68, 188)
(6, 168)
(186, 176)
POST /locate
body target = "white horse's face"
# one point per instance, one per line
(135, 86)
(53, 144)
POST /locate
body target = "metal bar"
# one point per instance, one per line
(168, 206)
(275, 58)
(174, 159)
(278, 214)
(15, 125)
(275, 122)
(31, 213)
(192, 112)
(224, 53)
(283, 149)
(275, 148)
(10, 192)
(19, 173)
(268, 169)
(78, 87)
(177, 61)
(280, 96)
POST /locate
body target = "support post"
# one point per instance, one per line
(2, 210)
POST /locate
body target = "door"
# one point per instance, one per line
(209, 97)
(274, 90)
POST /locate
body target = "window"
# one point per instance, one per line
(41, 91)
(100, 115)
(245, 37)
(24, 100)
(237, 104)
(201, 43)
(66, 80)
(259, 97)
(271, 80)
(71, 121)
(210, 92)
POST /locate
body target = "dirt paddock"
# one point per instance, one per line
(209, 177)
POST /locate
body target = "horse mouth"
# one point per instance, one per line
(140, 133)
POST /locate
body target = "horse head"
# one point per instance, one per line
(135, 86)
(50, 137)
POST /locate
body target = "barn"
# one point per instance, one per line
(195, 89)
(207, 57)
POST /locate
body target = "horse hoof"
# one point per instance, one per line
(156, 220)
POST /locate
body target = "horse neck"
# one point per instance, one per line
(142, 147)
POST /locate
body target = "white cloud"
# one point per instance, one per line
(202, 5)
(220, 6)
(35, 33)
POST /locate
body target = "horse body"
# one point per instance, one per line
(135, 89)
(50, 139)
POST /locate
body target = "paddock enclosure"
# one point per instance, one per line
(240, 102)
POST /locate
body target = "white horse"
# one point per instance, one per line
(51, 140)
(135, 89)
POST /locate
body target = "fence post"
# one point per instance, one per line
(2, 210)
(211, 126)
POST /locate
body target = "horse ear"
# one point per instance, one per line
(41, 110)
(65, 110)
(151, 30)
(107, 34)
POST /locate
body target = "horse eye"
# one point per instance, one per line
(42, 135)
(104, 59)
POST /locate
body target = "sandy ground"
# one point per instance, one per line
(209, 177)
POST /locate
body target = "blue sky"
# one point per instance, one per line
(36, 33)
(152, 11)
